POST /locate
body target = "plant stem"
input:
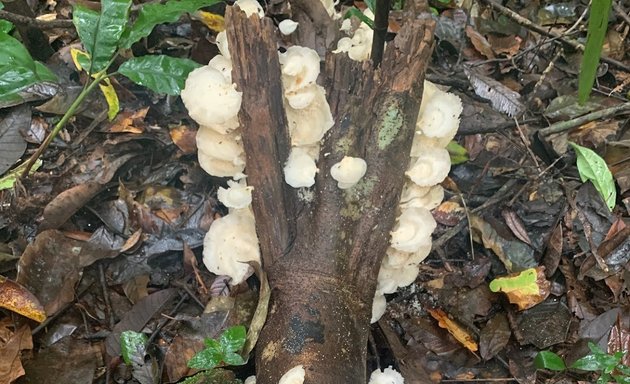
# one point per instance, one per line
(381, 22)
(64, 120)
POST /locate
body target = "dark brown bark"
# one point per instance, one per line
(322, 257)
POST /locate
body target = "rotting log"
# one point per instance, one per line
(322, 257)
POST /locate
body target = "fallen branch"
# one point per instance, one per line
(570, 124)
(31, 22)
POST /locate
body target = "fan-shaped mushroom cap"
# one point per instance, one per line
(209, 97)
(230, 243)
(300, 168)
(421, 197)
(413, 229)
(430, 167)
(348, 171)
(238, 195)
(294, 375)
(250, 7)
(308, 125)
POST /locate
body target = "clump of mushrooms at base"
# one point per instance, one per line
(231, 241)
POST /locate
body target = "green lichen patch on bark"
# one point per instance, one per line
(391, 124)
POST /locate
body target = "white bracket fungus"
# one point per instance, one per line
(294, 375)
(386, 376)
(348, 171)
(287, 26)
(438, 120)
(250, 7)
(359, 46)
(238, 195)
(300, 168)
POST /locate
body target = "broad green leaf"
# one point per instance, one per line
(593, 168)
(111, 97)
(233, 338)
(7, 181)
(231, 358)
(133, 346)
(206, 359)
(6, 26)
(152, 14)
(101, 32)
(597, 26)
(371, 4)
(458, 153)
(587, 363)
(358, 14)
(18, 70)
(162, 74)
(549, 360)
(213, 344)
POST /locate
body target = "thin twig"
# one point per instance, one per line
(543, 31)
(562, 126)
(31, 22)
(620, 11)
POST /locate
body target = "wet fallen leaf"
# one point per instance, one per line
(137, 317)
(544, 325)
(494, 336)
(12, 144)
(515, 255)
(52, 265)
(516, 225)
(18, 299)
(553, 253)
(213, 21)
(459, 333)
(525, 289)
(501, 97)
(508, 45)
(184, 138)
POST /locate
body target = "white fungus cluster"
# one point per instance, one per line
(213, 102)
(387, 376)
(308, 113)
(359, 46)
(410, 243)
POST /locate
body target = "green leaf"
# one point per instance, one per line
(358, 14)
(152, 14)
(231, 358)
(213, 344)
(593, 168)
(549, 360)
(101, 32)
(458, 153)
(162, 74)
(587, 363)
(233, 338)
(597, 26)
(371, 4)
(6, 26)
(133, 346)
(7, 181)
(206, 359)
(18, 70)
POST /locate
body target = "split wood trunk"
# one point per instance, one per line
(322, 257)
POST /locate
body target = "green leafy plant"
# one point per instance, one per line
(596, 33)
(104, 35)
(222, 350)
(608, 366)
(594, 169)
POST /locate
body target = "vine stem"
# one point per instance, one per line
(62, 123)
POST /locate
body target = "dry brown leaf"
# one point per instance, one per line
(516, 225)
(479, 42)
(508, 45)
(11, 343)
(129, 122)
(184, 138)
(459, 333)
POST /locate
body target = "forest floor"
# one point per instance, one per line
(108, 231)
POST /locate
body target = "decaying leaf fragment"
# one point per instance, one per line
(525, 289)
(459, 333)
(18, 299)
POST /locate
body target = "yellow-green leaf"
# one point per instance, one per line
(112, 98)
(80, 59)
(594, 169)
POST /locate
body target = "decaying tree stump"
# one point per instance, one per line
(322, 257)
